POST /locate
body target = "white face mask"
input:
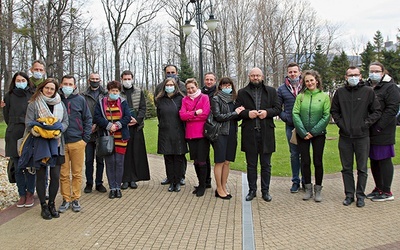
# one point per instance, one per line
(127, 83)
(353, 80)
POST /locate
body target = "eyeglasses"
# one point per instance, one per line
(375, 71)
(353, 75)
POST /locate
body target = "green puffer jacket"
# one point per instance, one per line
(311, 113)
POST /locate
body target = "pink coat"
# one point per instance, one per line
(194, 123)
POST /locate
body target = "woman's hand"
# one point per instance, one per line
(198, 112)
(308, 136)
(239, 109)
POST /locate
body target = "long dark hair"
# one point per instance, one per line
(225, 80)
(12, 84)
(162, 92)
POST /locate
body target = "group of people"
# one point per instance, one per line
(56, 128)
(364, 111)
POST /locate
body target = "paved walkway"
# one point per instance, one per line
(150, 217)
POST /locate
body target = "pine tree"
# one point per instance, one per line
(367, 57)
(321, 64)
(337, 70)
(186, 70)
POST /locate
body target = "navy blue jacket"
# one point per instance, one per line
(80, 119)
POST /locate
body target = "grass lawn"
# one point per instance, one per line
(280, 159)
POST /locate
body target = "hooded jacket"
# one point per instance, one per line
(355, 109)
(383, 132)
(80, 119)
(311, 113)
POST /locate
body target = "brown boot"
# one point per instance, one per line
(21, 201)
(29, 200)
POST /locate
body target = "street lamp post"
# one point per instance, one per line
(211, 25)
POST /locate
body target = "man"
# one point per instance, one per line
(171, 71)
(38, 70)
(92, 95)
(136, 165)
(209, 88)
(76, 136)
(258, 130)
(354, 108)
(287, 93)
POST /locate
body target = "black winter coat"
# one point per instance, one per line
(223, 114)
(91, 102)
(383, 132)
(270, 103)
(14, 112)
(171, 130)
(354, 110)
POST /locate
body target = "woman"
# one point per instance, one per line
(171, 132)
(383, 132)
(311, 117)
(14, 111)
(194, 112)
(224, 112)
(46, 119)
(112, 117)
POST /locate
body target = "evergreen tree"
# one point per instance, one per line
(391, 61)
(337, 70)
(321, 64)
(186, 70)
(367, 57)
(378, 43)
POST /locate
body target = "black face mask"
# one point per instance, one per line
(94, 84)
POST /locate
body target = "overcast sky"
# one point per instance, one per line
(361, 19)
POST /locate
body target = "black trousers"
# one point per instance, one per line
(41, 183)
(173, 166)
(382, 171)
(265, 162)
(348, 147)
(318, 144)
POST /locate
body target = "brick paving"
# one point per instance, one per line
(150, 217)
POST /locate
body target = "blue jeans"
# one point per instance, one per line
(294, 156)
(89, 161)
(25, 180)
(114, 170)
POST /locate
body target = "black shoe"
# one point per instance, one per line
(250, 196)
(125, 185)
(177, 187)
(348, 201)
(195, 190)
(200, 191)
(118, 193)
(227, 197)
(182, 182)
(360, 202)
(133, 185)
(46, 212)
(165, 182)
(112, 194)
(101, 188)
(53, 211)
(171, 187)
(88, 188)
(267, 197)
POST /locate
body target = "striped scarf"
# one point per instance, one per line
(113, 113)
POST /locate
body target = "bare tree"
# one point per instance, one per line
(123, 18)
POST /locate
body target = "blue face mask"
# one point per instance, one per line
(113, 96)
(37, 75)
(67, 90)
(21, 85)
(227, 90)
(375, 77)
(353, 80)
(169, 89)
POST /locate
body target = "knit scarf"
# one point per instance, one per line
(227, 98)
(195, 95)
(42, 103)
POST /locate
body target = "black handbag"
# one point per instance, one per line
(11, 171)
(105, 145)
(211, 128)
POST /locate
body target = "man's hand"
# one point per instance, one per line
(253, 114)
(262, 114)
(94, 126)
(132, 122)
